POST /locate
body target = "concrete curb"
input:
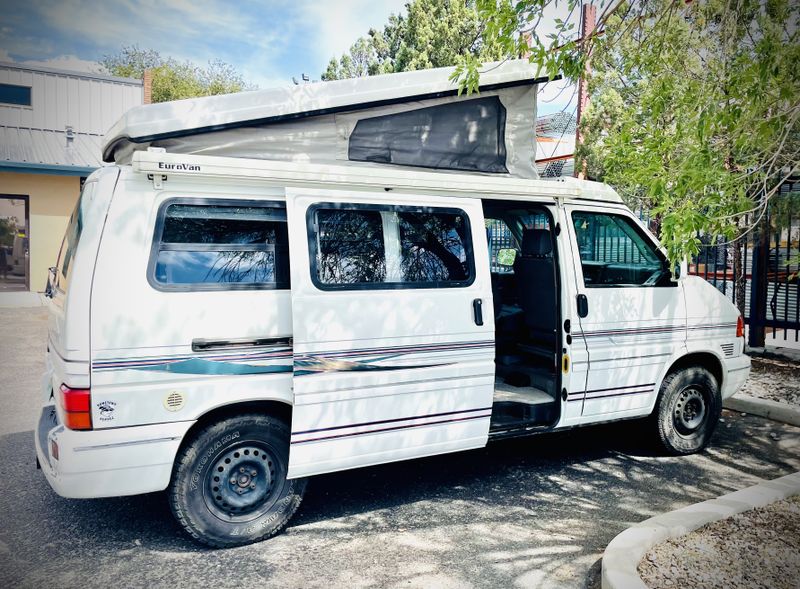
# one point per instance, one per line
(623, 554)
(764, 408)
(775, 353)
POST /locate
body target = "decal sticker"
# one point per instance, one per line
(178, 167)
(106, 409)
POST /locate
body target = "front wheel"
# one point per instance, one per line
(688, 409)
(229, 484)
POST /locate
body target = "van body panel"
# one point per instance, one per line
(630, 331)
(111, 463)
(736, 372)
(68, 306)
(384, 374)
(712, 320)
(574, 378)
(70, 301)
(142, 337)
(373, 375)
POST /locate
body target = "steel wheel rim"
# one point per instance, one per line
(690, 410)
(241, 485)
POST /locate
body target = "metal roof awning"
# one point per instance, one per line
(45, 151)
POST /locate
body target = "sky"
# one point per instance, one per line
(268, 41)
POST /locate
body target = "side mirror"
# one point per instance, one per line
(51, 275)
(506, 256)
(681, 270)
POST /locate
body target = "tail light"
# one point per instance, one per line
(740, 327)
(77, 406)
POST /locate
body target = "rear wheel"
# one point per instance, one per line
(229, 483)
(688, 409)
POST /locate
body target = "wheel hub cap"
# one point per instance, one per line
(690, 410)
(241, 481)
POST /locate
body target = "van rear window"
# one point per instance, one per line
(66, 257)
(389, 247)
(220, 245)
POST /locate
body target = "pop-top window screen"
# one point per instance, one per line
(466, 135)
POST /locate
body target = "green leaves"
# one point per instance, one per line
(432, 33)
(695, 108)
(174, 80)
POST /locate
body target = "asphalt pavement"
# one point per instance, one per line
(534, 512)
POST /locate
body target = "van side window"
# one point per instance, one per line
(220, 245)
(614, 252)
(69, 245)
(390, 247)
(350, 247)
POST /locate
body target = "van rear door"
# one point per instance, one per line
(71, 284)
(393, 329)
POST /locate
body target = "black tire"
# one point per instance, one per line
(229, 484)
(687, 411)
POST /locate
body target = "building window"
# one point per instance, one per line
(220, 245)
(17, 95)
(384, 247)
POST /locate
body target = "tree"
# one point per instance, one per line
(695, 108)
(8, 229)
(433, 33)
(172, 79)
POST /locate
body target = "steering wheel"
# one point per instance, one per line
(653, 279)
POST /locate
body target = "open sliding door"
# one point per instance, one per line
(393, 328)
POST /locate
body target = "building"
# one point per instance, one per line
(555, 144)
(51, 126)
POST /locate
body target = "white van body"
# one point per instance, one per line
(281, 283)
(366, 376)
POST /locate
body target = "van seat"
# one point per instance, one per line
(536, 281)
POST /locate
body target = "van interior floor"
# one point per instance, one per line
(522, 405)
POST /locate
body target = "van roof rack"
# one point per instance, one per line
(159, 164)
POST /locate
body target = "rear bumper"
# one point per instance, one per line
(737, 371)
(107, 463)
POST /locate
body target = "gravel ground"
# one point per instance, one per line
(776, 380)
(756, 548)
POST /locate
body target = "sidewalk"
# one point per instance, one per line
(779, 343)
(21, 299)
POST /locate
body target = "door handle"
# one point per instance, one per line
(583, 305)
(477, 309)
(203, 345)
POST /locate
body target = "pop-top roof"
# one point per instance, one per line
(186, 118)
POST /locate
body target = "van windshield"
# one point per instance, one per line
(71, 238)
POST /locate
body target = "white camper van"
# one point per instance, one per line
(277, 284)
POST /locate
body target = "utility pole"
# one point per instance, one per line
(588, 18)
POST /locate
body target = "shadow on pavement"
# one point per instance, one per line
(530, 509)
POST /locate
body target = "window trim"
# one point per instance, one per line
(158, 232)
(637, 229)
(312, 231)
